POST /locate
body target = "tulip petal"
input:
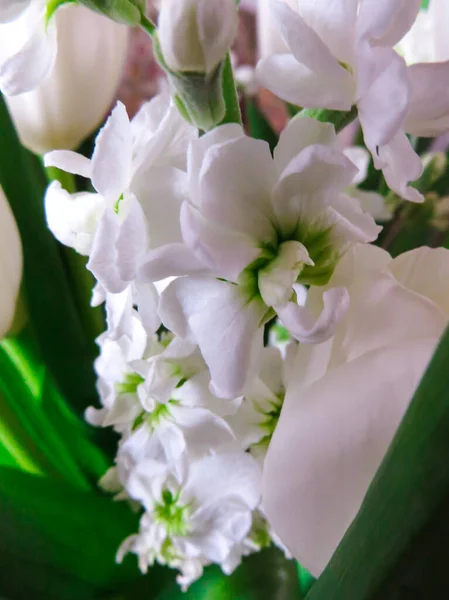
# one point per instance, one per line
(329, 442)
(33, 63)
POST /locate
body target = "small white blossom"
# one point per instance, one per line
(198, 514)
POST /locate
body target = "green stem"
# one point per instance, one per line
(147, 25)
(233, 114)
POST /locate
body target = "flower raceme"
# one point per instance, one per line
(345, 56)
(254, 227)
(345, 398)
(72, 100)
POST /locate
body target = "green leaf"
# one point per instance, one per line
(57, 543)
(267, 575)
(339, 118)
(53, 435)
(52, 311)
(258, 125)
(396, 546)
(230, 96)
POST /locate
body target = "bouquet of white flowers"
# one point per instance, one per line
(223, 365)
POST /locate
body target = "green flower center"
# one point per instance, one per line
(172, 515)
(130, 383)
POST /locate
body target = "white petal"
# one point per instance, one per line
(11, 9)
(360, 157)
(198, 148)
(310, 330)
(241, 202)
(160, 192)
(303, 182)
(372, 203)
(103, 256)
(111, 160)
(215, 478)
(329, 442)
(385, 21)
(73, 218)
(169, 261)
(147, 300)
(33, 63)
(225, 324)
(223, 251)
(132, 241)
(425, 271)
(69, 161)
(383, 108)
(428, 113)
(350, 224)
(300, 133)
(334, 22)
(400, 164)
(217, 27)
(292, 81)
(203, 431)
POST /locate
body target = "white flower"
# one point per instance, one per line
(195, 515)
(27, 45)
(157, 395)
(70, 103)
(342, 56)
(196, 34)
(254, 228)
(137, 171)
(257, 416)
(346, 397)
(11, 262)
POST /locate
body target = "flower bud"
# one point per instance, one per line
(194, 35)
(10, 265)
(71, 102)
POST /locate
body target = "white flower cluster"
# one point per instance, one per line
(213, 237)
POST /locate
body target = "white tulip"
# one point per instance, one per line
(10, 265)
(346, 397)
(71, 102)
(196, 34)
